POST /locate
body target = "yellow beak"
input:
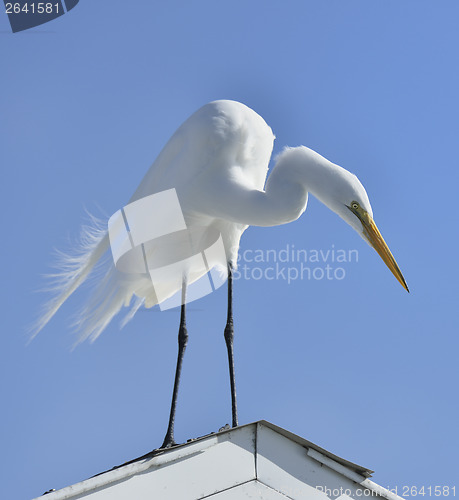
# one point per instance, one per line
(377, 242)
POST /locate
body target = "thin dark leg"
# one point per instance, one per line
(229, 336)
(182, 342)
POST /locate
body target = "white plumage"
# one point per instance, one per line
(217, 162)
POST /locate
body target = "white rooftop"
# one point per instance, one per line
(258, 460)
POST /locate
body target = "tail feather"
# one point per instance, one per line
(112, 289)
(74, 269)
(113, 292)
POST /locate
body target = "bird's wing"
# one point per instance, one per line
(199, 159)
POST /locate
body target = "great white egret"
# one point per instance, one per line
(217, 162)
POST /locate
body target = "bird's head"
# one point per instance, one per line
(339, 190)
(352, 204)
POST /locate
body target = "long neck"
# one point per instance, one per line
(298, 171)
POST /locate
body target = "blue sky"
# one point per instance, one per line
(355, 365)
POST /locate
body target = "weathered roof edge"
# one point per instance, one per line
(308, 444)
(290, 435)
(353, 471)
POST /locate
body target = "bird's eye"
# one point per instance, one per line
(355, 205)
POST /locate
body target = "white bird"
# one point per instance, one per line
(217, 162)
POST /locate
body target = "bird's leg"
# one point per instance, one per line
(182, 342)
(229, 336)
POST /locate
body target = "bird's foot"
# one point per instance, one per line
(168, 442)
